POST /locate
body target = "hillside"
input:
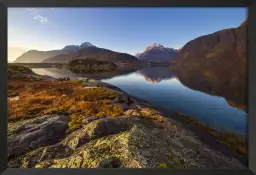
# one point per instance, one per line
(216, 64)
(157, 53)
(36, 56)
(99, 54)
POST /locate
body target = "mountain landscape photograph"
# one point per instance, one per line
(127, 88)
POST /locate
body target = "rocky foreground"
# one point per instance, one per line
(84, 123)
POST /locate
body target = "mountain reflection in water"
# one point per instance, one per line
(161, 87)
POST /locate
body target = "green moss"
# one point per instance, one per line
(161, 165)
(9, 133)
(158, 118)
(37, 77)
(171, 125)
(180, 163)
(57, 110)
(117, 110)
(75, 122)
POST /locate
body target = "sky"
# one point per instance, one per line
(127, 30)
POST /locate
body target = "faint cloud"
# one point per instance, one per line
(41, 19)
(37, 14)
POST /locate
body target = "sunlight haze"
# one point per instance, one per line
(128, 30)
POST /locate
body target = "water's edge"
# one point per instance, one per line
(162, 89)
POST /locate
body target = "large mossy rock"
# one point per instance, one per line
(35, 133)
(125, 142)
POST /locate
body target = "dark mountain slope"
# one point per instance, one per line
(216, 64)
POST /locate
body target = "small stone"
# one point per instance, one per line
(133, 106)
(146, 145)
(123, 105)
(14, 98)
(140, 145)
(128, 112)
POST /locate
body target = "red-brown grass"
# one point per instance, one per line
(46, 97)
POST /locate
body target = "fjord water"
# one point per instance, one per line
(160, 87)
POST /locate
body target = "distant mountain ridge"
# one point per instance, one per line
(74, 48)
(157, 53)
(36, 56)
(94, 53)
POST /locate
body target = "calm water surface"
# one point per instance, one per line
(160, 87)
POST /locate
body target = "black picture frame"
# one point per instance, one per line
(130, 3)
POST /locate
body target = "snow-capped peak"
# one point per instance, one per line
(159, 47)
(154, 45)
(86, 44)
(77, 47)
(175, 50)
(70, 46)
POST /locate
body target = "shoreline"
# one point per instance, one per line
(188, 122)
(195, 129)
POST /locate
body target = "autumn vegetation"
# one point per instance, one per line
(40, 97)
(32, 96)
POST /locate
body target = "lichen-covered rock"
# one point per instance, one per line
(96, 129)
(35, 133)
(132, 112)
(127, 142)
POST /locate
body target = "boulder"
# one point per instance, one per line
(35, 133)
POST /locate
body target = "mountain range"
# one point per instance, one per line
(95, 53)
(153, 53)
(157, 53)
(214, 63)
(36, 56)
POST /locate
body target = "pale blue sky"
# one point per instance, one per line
(128, 30)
